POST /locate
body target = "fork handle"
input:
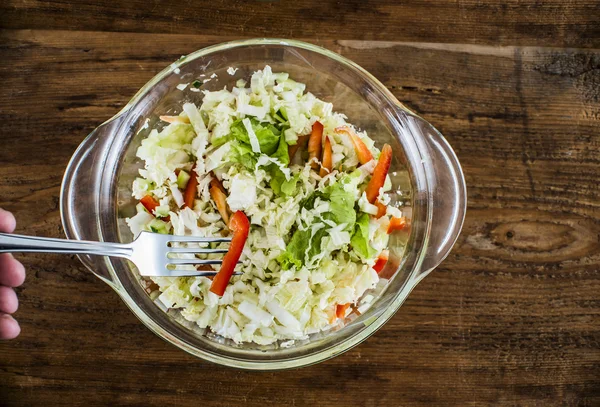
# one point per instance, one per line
(10, 243)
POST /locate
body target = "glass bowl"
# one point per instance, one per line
(96, 189)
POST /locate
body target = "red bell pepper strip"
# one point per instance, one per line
(217, 192)
(379, 174)
(150, 204)
(191, 190)
(314, 144)
(381, 209)
(396, 224)
(363, 153)
(340, 310)
(240, 226)
(302, 140)
(381, 261)
(327, 161)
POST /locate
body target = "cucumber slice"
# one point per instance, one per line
(162, 211)
(182, 179)
(158, 226)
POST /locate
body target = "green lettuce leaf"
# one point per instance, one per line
(267, 134)
(341, 205)
(360, 238)
(219, 141)
(315, 243)
(295, 250)
(279, 183)
(243, 154)
(281, 153)
(295, 253)
(271, 143)
(282, 186)
(309, 201)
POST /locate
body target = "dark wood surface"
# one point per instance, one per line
(507, 22)
(512, 317)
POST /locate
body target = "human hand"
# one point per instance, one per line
(12, 274)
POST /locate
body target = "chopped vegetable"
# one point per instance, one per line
(355, 310)
(182, 179)
(240, 226)
(381, 260)
(262, 138)
(379, 173)
(149, 203)
(396, 224)
(381, 209)
(314, 145)
(217, 192)
(174, 119)
(326, 162)
(340, 310)
(141, 208)
(191, 191)
(139, 222)
(300, 143)
(360, 238)
(158, 226)
(362, 151)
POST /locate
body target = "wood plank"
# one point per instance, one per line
(510, 318)
(497, 22)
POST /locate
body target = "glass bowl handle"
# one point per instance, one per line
(446, 193)
(79, 197)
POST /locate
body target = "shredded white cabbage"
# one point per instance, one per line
(274, 299)
(251, 135)
(242, 192)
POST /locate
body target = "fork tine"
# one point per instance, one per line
(194, 273)
(195, 250)
(193, 261)
(197, 239)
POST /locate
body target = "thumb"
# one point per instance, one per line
(7, 221)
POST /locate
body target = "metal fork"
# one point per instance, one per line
(154, 254)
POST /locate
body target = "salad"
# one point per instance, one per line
(302, 192)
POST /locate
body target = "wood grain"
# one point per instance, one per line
(510, 318)
(512, 22)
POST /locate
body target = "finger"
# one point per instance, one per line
(7, 221)
(8, 300)
(12, 272)
(9, 327)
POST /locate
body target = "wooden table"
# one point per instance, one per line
(512, 317)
